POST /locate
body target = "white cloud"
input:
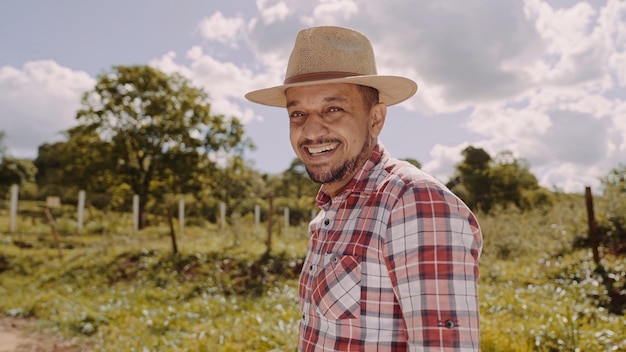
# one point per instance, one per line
(225, 82)
(444, 159)
(221, 29)
(546, 82)
(617, 135)
(37, 102)
(539, 81)
(272, 11)
(332, 11)
(612, 20)
(570, 177)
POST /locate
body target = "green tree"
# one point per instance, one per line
(159, 128)
(296, 182)
(239, 186)
(12, 171)
(3, 148)
(484, 182)
(474, 187)
(83, 162)
(294, 189)
(511, 182)
(612, 225)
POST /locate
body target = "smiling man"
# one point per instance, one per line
(330, 132)
(392, 261)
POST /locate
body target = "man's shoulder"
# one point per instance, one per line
(398, 172)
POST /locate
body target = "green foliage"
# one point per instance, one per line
(612, 226)
(510, 234)
(129, 293)
(83, 162)
(141, 132)
(538, 292)
(16, 172)
(548, 303)
(118, 290)
(295, 183)
(485, 183)
(294, 189)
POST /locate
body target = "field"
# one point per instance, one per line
(116, 290)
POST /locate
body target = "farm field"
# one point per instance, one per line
(116, 290)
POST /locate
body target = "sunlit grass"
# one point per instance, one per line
(125, 291)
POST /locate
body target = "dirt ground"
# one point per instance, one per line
(16, 335)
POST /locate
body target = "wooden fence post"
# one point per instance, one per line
(286, 216)
(81, 210)
(13, 211)
(268, 243)
(135, 213)
(222, 216)
(172, 232)
(181, 215)
(57, 241)
(594, 241)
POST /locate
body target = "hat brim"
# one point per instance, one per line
(392, 89)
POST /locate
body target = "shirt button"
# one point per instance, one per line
(326, 222)
(449, 324)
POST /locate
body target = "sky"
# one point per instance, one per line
(542, 79)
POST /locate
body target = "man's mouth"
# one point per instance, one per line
(319, 150)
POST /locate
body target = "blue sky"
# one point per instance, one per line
(543, 79)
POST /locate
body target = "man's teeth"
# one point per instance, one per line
(318, 150)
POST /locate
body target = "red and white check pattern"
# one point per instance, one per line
(392, 265)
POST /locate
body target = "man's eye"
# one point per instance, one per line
(296, 114)
(334, 109)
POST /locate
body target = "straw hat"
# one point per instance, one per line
(334, 55)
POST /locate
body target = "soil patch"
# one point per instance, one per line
(16, 335)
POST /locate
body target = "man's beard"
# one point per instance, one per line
(338, 173)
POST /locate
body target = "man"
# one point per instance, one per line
(392, 261)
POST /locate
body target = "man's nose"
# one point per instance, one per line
(314, 127)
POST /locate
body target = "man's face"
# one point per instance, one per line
(331, 131)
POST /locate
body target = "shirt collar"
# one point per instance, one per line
(362, 182)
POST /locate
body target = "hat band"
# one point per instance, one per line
(318, 76)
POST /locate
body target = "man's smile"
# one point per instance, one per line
(320, 150)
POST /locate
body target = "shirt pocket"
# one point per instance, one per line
(337, 287)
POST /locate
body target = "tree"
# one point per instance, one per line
(12, 171)
(158, 127)
(3, 148)
(612, 226)
(296, 182)
(484, 182)
(294, 189)
(473, 172)
(83, 162)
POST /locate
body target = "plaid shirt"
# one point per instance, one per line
(392, 265)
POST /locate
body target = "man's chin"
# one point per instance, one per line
(326, 175)
(321, 178)
(320, 174)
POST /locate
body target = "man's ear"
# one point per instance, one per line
(378, 113)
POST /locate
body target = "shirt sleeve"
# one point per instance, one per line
(432, 246)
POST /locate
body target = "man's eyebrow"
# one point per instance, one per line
(292, 103)
(335, 98)
(329, 99)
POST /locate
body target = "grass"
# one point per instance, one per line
(224, 292)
